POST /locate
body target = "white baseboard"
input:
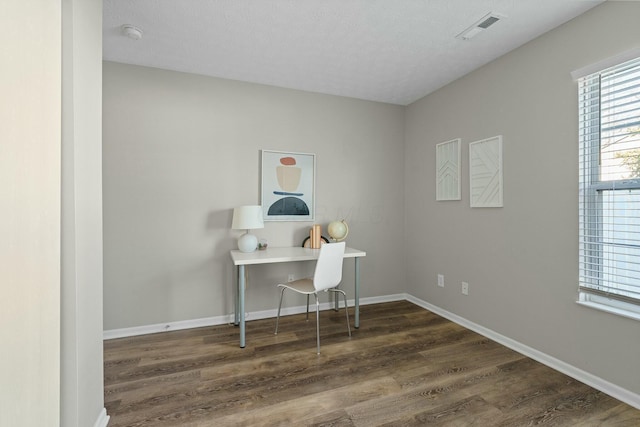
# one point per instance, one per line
(103, 419)
(598, 383)
(591, 380)
(165, 327)
(222, 320)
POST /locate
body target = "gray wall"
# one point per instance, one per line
(181, 151)
(521, 260)
(82, 399)
(30, 205)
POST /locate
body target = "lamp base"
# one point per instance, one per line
(247, 242)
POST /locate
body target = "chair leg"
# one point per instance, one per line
(346, 307)
(307, 307)
(346, 310)
(317, 322)
(279, 306)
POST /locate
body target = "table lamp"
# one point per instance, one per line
(247, 218)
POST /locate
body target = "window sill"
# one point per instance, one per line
(618, 311)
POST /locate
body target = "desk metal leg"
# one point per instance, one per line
(240, 311)
(236, 299)
(357, 292)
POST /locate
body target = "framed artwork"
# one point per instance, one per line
(448, 170)
(288, 186)
(485, 173)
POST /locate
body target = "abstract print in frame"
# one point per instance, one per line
(448, 170)
(288, 186)
(485, 173)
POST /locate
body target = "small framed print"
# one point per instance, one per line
(448, 170)
(287, 186)
(485, 173)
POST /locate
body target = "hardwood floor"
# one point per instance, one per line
(405, 366)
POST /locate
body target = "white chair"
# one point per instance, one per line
(327, 276)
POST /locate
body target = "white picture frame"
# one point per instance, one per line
(485, 173)
(287, 186)
(448, 170)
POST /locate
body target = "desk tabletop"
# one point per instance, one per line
(287, 254)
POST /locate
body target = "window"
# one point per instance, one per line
(609, 190)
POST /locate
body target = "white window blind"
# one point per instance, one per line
(609, 209)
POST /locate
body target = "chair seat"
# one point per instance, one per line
(303, 286)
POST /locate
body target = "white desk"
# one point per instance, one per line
(276, 255)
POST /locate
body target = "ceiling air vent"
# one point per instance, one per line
(481, 25)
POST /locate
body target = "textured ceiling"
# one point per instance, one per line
(393, 51)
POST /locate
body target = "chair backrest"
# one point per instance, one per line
(328, 272)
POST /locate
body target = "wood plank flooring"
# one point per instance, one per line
(405, 366)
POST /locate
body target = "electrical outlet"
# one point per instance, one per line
(291, 278)
(465, 288)
(441, 280)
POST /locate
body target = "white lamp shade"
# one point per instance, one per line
(247, 218)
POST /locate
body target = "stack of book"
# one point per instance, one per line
(315, 235)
